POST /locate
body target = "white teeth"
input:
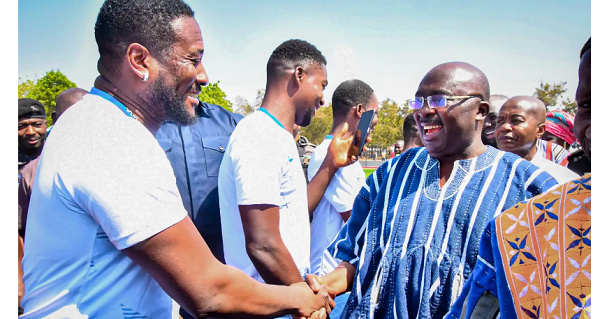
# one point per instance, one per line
(430, 127)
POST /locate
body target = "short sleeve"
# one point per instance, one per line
(344, 187)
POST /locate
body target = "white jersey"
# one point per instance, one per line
(338, 198)
(103, 184)
(261, 166)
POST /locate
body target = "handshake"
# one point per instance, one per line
(317, 300)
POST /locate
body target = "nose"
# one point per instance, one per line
(30, 130)
(201, 76)
(506, 127)
(426, 111)
(322, 102)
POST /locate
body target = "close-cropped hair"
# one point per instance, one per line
(291, 54)
(147, 22)
(409, 128)
(349, 94)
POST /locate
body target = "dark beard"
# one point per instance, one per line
(174, 106)
(307, 117)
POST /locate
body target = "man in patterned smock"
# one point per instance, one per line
(413, 235)
(534, 259)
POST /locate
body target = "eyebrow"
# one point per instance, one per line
(435, 92)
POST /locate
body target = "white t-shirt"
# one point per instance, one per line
(338, 198)
(261, 166)
(559, 172)
(103, 184)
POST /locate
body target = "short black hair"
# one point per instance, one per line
(291, 54)
(586, 46)
(409, 128)
(147, 22)
(349, 94)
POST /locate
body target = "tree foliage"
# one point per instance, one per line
(320, 125)
(213, 94)
(569, 106)
(389, 127)
(550, 93)
(242, 106)
(46, 89)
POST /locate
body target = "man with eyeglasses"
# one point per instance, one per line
(413, 235)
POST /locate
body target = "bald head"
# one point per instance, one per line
(496, 101)
(67, 98)
(460, 76)
(530, 105)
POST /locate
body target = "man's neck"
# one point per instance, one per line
(31, 153)
(140, 109)
(281, 109)
(532, 151)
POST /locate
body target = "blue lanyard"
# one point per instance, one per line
(328, 137)
(112, 99)
(271, 116)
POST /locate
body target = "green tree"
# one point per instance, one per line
(320, 125)
(242, 106)
(213, 94)
(25, 87)
(550, 93)
(569, 106)
(48, 88)
(390, 120)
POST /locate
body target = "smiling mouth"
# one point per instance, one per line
(431, 129)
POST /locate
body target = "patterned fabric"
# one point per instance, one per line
(553, 152)
(541, 250)
(413, 243)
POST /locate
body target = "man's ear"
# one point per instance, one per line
(482, 110)
(540, 130)
(360, 109)
(138, 58)
(299, 73)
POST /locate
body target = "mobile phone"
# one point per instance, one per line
(364, 126)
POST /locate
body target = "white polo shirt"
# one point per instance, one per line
(261, 166)
(338, 198)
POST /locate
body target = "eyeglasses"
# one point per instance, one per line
(435, 101)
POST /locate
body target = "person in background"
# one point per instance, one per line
(559, 130)
(305, 149)
(411, 133)
(349, 101)
(398, 147)
(412, 239)
(124, 244)
(489, 125)
(534, 259)
(521, 122)
(31, 130)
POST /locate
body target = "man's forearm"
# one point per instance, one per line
(274, 263)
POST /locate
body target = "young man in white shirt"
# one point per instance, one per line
(262, 190)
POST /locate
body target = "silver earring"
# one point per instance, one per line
(145, 78)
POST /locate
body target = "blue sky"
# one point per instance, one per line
(388, 44)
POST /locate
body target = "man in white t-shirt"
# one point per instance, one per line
(263, 196)
(520, 123)
(107, 230)
(349, 100)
